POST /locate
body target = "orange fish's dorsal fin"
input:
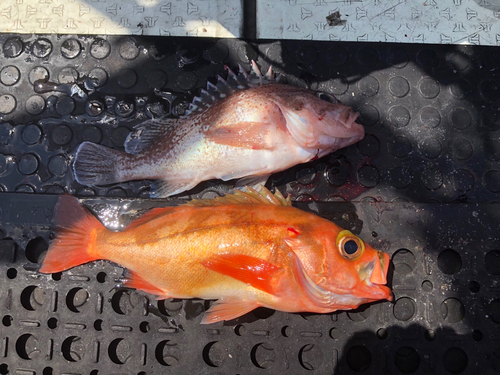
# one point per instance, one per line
(227, 309)
(133, 280)
(250, 270)
(250, 196)
(148, 216)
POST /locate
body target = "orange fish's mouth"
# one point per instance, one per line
(374, 282)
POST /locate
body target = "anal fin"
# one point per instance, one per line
(163, 189)
(227, 309)
(255, 182)
(133, 280)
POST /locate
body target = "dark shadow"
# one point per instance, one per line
(415, 349)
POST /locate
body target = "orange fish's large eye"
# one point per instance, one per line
(349, 245)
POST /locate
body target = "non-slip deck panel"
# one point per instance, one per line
(422, 186)
(430, 113)
(444, 319)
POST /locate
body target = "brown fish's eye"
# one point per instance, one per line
(350, 246)
(327, 97)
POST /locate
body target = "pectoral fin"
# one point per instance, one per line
(250, 135)
(253, 271)
(227, 310)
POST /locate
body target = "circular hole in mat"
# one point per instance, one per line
(52, 323)
(359, 314)
(11, 273)
(382, 334)
(72, 349)
(7, 320)
(119, 351)
(404, 309)
(123, 301)
(240, 329)
(359, 358)
(430, 335)
(311, 357)
(494, 311)
(455, 360)
(477, 335)
(449, 261)
(32, 297)
(263, 356)
(335, 333)
(214, 354)
(76, 298)
(101, 277)
(407, 360)
(427, 286)
(404, 261)
(36, 247)
(98, 325)
(492, 262)
(27, 346)
(452, 310)
(474, 286)
(167, 353)
(144, 327)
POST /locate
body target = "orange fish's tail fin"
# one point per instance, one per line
(75, 239)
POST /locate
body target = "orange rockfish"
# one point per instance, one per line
(246, 126)
(247, 250)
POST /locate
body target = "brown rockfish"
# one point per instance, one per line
(248, 125)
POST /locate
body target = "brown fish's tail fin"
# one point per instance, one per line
(97, 165)
(75, 242)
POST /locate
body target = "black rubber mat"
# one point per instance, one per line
(423, 186)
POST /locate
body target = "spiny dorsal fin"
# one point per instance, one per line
(250, 196)
(234, 82)
(146, 133)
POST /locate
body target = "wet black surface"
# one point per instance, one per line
(424, 185)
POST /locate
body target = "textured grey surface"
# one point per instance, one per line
(439, 22)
